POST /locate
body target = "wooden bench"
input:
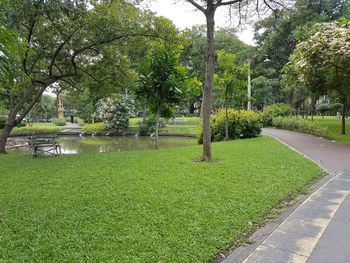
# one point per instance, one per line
(44, 143)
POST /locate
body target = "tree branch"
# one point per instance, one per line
(56, 54)
(221, 3)
(198, 6)
(29, 38)
(31, 105)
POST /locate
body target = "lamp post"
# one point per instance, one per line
(249, 104)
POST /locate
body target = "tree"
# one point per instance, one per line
(231, 79)
(324, 58)
(161, 81)
(195, 47)
(208, 8)
(265, 91)
(71, 41)
(116, 111)
(44, 109)
(278, 34)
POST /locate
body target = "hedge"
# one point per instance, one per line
(300, 125)
(241, 124)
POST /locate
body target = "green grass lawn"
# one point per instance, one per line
(185, 129)
(184, 125)
(333, 124)
(43, 124)
(143, 206)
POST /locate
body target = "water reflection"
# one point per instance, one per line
(88, 144)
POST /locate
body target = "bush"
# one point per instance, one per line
(336, 107)
(241, 124)
(323, 108)
(94, 127)
(145, 128)
(300, 125)
(276, 110)
(79, 121)
(36, 129)
(115, 111)
(59, 121)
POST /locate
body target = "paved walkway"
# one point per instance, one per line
(317, 231)
(71, 127)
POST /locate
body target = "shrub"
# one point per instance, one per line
(323, 108)
(79, 121)
(275, 110)
(59, 121)
(94, 127)
(300, 125)
(145, 128)
(36, 129)
(241, 124)
(336, 107)
(116, 111)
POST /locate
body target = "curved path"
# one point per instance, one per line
(318, 230)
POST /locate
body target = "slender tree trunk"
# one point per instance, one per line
(201, 109)
(226, 117)
(313, 107)
(157, 128)
(343, 117)
(144, 112)
(209, 75)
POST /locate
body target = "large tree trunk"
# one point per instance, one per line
(157, 128)
(191, 107)
(12, 120)
(10, 123)
(207, 91)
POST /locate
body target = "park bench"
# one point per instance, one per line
(44, 143)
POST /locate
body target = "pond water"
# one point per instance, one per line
(89, 144)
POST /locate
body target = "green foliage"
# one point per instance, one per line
(60, 121)
(230, 81)
(300, 125)
(335, 106)
(11, 49)
(144, 206)
(265, 91)
(44, 109)
(146, 128)
(95, 127)
(323, 59)
(79, 121)
(115, 111)
(161, 78)
(278, 34)
(241, 124)
(36, 129)
(323, 108)
(275, 110)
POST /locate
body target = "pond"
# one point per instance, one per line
(89, 144)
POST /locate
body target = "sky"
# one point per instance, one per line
(184, 15)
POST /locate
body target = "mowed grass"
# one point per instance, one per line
(182, 125)
(43, 124)
(143, 206)
(333, 124)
